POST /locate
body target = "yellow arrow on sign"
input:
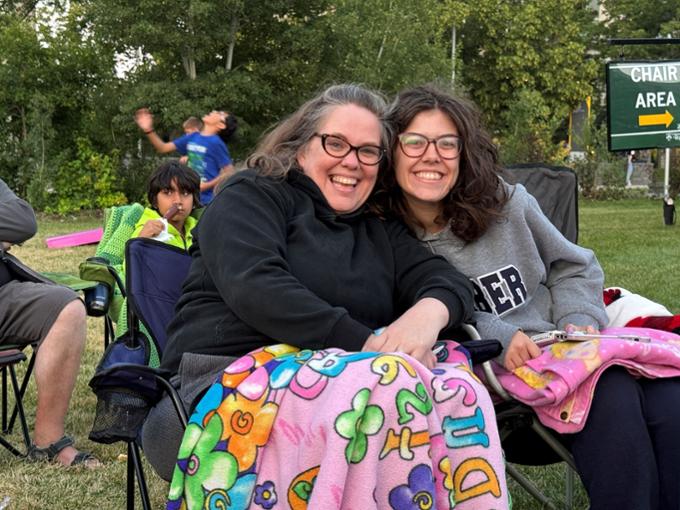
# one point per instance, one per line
(655, 119)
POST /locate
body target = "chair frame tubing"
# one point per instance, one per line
(18, 406)
(134, 460)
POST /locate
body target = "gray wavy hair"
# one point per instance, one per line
(277, 152)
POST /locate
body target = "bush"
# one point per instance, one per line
(529, 129)
(87, 182)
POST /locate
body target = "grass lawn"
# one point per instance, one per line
(636, 250)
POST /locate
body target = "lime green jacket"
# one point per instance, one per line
(176, 239)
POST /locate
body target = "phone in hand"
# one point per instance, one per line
(551, 337)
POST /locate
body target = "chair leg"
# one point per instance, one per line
(22, 390)
(135, 470)
(108, 331)
(4, 399)
(19, 410)
(569, 487)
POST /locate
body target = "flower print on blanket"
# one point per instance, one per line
(284, 428)
(559, 384)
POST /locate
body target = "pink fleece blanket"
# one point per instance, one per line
(283, 428)
(559, 384)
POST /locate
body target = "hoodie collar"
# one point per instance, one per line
(298, 179)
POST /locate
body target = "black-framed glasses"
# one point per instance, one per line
(339, 148)
(415, 145)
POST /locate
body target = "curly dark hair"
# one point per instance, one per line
(479, 195)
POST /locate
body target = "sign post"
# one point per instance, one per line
(643, 106)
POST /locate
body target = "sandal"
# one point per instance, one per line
(50, 452)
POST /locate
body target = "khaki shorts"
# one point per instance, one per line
(28, 310)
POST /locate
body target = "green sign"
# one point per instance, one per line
(643, 104)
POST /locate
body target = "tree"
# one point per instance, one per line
(48, 73)
(540, 45)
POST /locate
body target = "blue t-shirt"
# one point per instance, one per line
(207, 155)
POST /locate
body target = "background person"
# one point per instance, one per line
(528, 279)
(630, 167)
(53, 317)
(189, 126)
(192, 125)
(171, 186)
(206, 150)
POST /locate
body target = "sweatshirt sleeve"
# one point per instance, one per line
(421, 274)
(17, 220)
(574, 277)
(492, 327)
(247, 263)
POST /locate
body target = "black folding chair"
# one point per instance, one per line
(10, 357)
(525, 440)
(125, 385)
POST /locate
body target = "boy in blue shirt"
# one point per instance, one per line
(206, 150)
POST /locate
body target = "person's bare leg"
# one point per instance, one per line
(56, 368)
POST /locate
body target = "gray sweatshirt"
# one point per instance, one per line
(526, 274)
(17, 221)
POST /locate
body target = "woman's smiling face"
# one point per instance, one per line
(427, 179)
(345, 182)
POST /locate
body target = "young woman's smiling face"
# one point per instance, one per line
(345, 181)
(425, 180)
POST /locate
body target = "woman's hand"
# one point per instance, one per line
(414, 333)
(521, 349)
(152, 228)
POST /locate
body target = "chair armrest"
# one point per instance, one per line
(491, 378)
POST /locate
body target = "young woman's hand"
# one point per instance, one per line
(152, 228)
(588, 330)
(521, 349)
(414, 333)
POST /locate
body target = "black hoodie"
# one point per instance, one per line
(272, 263)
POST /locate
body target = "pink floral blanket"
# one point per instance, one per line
(329, 429)
(559, 384)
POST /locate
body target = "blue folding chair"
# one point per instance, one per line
(125, 385)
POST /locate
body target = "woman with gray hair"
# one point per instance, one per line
(288, 253)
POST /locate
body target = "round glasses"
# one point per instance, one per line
(339, 148)
(415, 145)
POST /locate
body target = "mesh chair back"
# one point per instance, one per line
(125, 385)
(556, 190)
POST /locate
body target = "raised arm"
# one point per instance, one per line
(144, 120)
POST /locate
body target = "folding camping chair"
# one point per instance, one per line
(106, 299)
(556, 190)
(125, 385)
(106, 268)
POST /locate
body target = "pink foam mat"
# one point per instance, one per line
(76, 238)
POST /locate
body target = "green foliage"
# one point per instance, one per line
(529, 127)
(526, 64)
(88, 181)
(535, 45)
(636, 19)
(48, 74)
